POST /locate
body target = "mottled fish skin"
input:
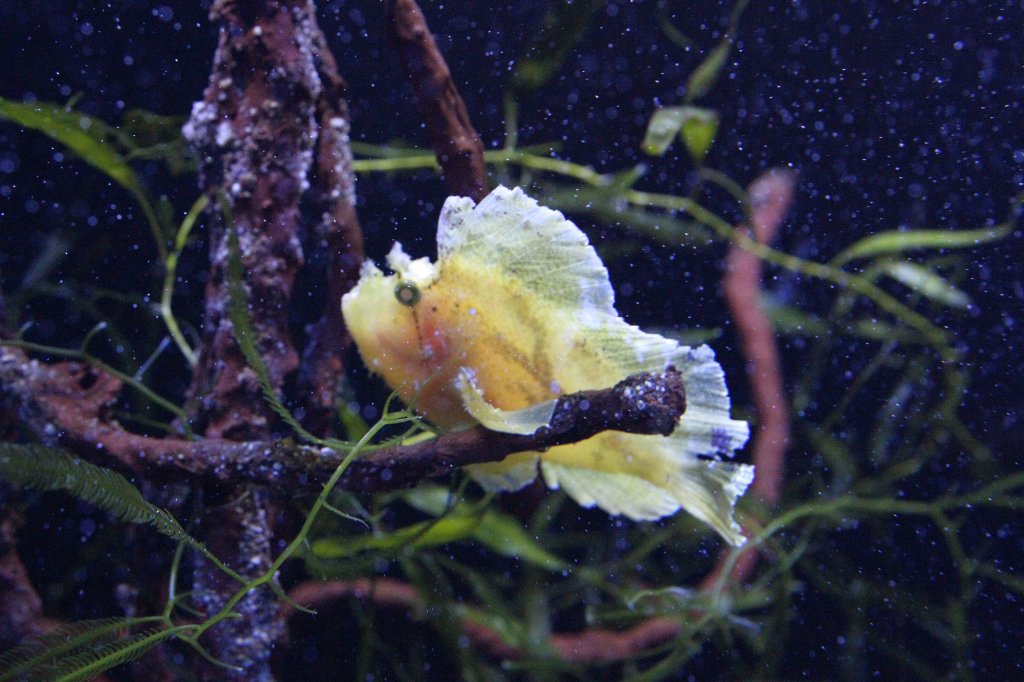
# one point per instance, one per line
(418, 350)
(519, 301)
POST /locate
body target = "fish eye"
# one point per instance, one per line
(407, 293)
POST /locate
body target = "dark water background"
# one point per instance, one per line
(896, 114)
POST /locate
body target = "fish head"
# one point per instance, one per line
(399, 336)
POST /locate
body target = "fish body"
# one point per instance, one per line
(517, 310)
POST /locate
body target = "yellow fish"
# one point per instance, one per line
(517, 310)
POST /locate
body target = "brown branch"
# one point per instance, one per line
(642, 403)
(597, 645)
(591, 646)
(771, 195)
(66, 404)
(21, 609)
(452, 136)
(588, 647)
(255, 132)
(337, 234)
(386, 592)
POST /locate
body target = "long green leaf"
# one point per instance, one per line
(89, 138)
(926, 282)
(88, 664)
(451, 528)
(793, 321)
(86, 136)
(152, 136)
(562, 28)
(44, 468)
(898, 242)
(707, 72)
(504, 535)
(607, 205)
(499, 532)
(39, 651)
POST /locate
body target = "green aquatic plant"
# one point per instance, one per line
(109, 150)
(34, 466)
(490, 587)
(420, 548)
(85, 649)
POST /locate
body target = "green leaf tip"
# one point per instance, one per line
(696, 126)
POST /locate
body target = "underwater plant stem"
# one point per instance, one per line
(932, 334)
(99, 665)
(548, 164)
(300, 537)
(838, 508)
(518, 157)
(152, 221)
(170, 275)
(511, 109)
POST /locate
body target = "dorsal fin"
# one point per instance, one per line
(535, 245)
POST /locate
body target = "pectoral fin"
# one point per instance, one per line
(523, 422)
(512, 473)
(516, 471)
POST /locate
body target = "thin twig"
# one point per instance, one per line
(771, 195)
(337, 234)
(452, 136)
(591, 646)
(68, 404)
(770, 198)
(21, 609)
